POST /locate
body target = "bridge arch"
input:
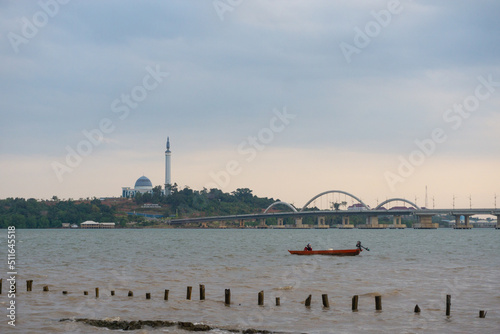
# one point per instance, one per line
(281, 203)
(398, 199)
(334, 191)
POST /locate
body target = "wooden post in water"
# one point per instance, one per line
(261, 298)
(188, 294)
(97, 292)
(130, 294)
(278, 303)
(85, 293)
(1, 285)
(165, 296)
(378, 303)
(448, 305)
(308, 301)
(148, 295)
(112, 292)
(417, 309)
(354, 303)
(65, 292)
(202, 292)
(29, 285)
(227, 297)
(46, 288)
(482, 314)
(325, 300)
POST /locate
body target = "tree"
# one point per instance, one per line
(243, 194)
(138, 198)
(157, 194)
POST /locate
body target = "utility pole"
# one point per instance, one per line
(426, 205)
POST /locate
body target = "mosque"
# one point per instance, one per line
(143, 184)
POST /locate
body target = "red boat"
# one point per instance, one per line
(338, 252)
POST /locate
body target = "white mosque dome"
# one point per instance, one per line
(143, 184)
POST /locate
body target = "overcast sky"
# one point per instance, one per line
(287, 98)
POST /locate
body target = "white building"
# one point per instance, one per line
(93, 224)
(143, 184)
(357, 207)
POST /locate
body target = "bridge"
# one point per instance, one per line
(424, 215)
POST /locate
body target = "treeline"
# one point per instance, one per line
(31, 213)
(213, 202)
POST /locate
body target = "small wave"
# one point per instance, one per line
(371, 294)
(288, 287)
(394, 292)
(227, 268)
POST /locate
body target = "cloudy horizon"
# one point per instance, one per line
(288, 98)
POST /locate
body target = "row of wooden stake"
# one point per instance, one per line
(260, 298)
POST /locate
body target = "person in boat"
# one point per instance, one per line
(308, 247)
(361, 247)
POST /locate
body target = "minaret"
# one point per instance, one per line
(168, 181)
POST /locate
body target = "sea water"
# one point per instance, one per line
(405, 267)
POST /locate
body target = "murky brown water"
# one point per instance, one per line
(406, 267)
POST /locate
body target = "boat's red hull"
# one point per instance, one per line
(338, 252)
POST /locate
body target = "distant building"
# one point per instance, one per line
(357, 207)
(94, 225)
(143, 184)
(401, 208)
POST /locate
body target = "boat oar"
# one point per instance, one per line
(358, 244)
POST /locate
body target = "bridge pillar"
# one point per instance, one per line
(372, 222)
(459, 225)
(425, 222)
(321, 222)
(280, 223)
(298, 223)
(262, 223)
(498, 222)
(242, 223)
(346, 223)
(397, 222)
(467, 222)
(204, 225)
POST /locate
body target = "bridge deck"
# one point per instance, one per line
(398, 212)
